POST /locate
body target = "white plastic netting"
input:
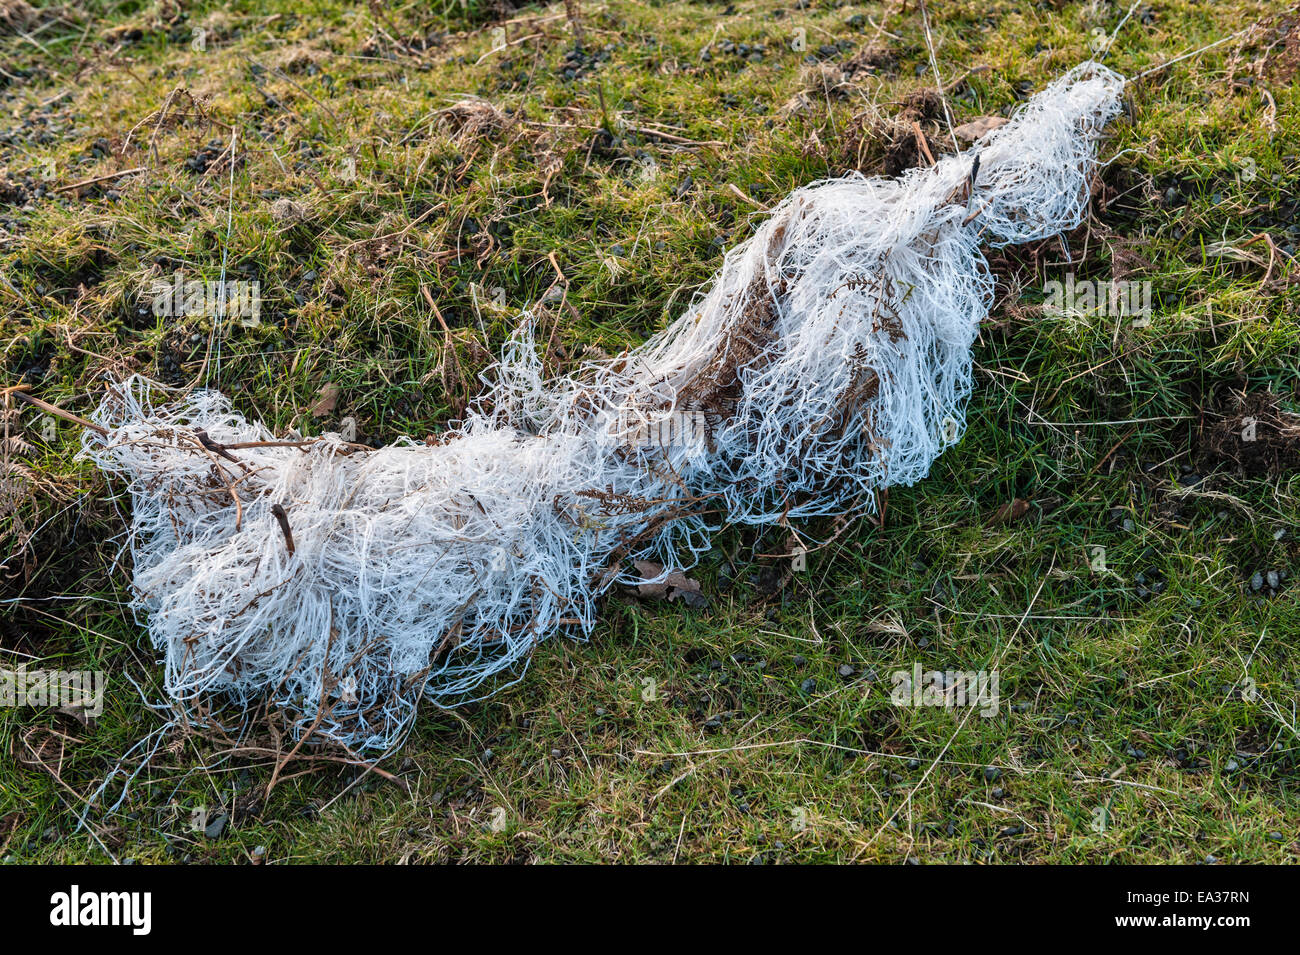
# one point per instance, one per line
(830, 358)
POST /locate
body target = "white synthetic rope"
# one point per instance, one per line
(830, 358)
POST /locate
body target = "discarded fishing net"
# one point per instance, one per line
(830, 358)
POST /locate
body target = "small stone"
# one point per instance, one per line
(216, 826)
(846, 670)
(991, 773)
(808, 686)
(1257, 582)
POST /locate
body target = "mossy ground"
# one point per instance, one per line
(1148, 709)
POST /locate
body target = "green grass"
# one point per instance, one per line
(1148, 711)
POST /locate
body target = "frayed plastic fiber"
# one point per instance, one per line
(829, 358)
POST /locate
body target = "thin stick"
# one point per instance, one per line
(920, 141)
(740, 194)
(1115, 447)
(280, 515)
(559, 273)
(215, 448)
(104, 178)
(48, 408)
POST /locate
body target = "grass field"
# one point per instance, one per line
(1103, 538)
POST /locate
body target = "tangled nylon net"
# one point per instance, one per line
(830, 357)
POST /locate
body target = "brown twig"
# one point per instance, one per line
(741, 194)
(280, 515)
(215, 448)
(1115, 447)
(104, 178)
(207, 447)
(675, 139)
(321, 712)
(19, 391)
(920, 141)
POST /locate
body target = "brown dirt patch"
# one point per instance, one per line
(1251, 434)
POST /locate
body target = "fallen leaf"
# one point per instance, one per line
(977, 128)
(673, 587)
(1013, 510)
(326, 399)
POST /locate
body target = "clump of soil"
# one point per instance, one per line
(872, 59)
(872, 142)
(1283, 55)
(1249, 433)
(907, 132)
(1124, 194)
